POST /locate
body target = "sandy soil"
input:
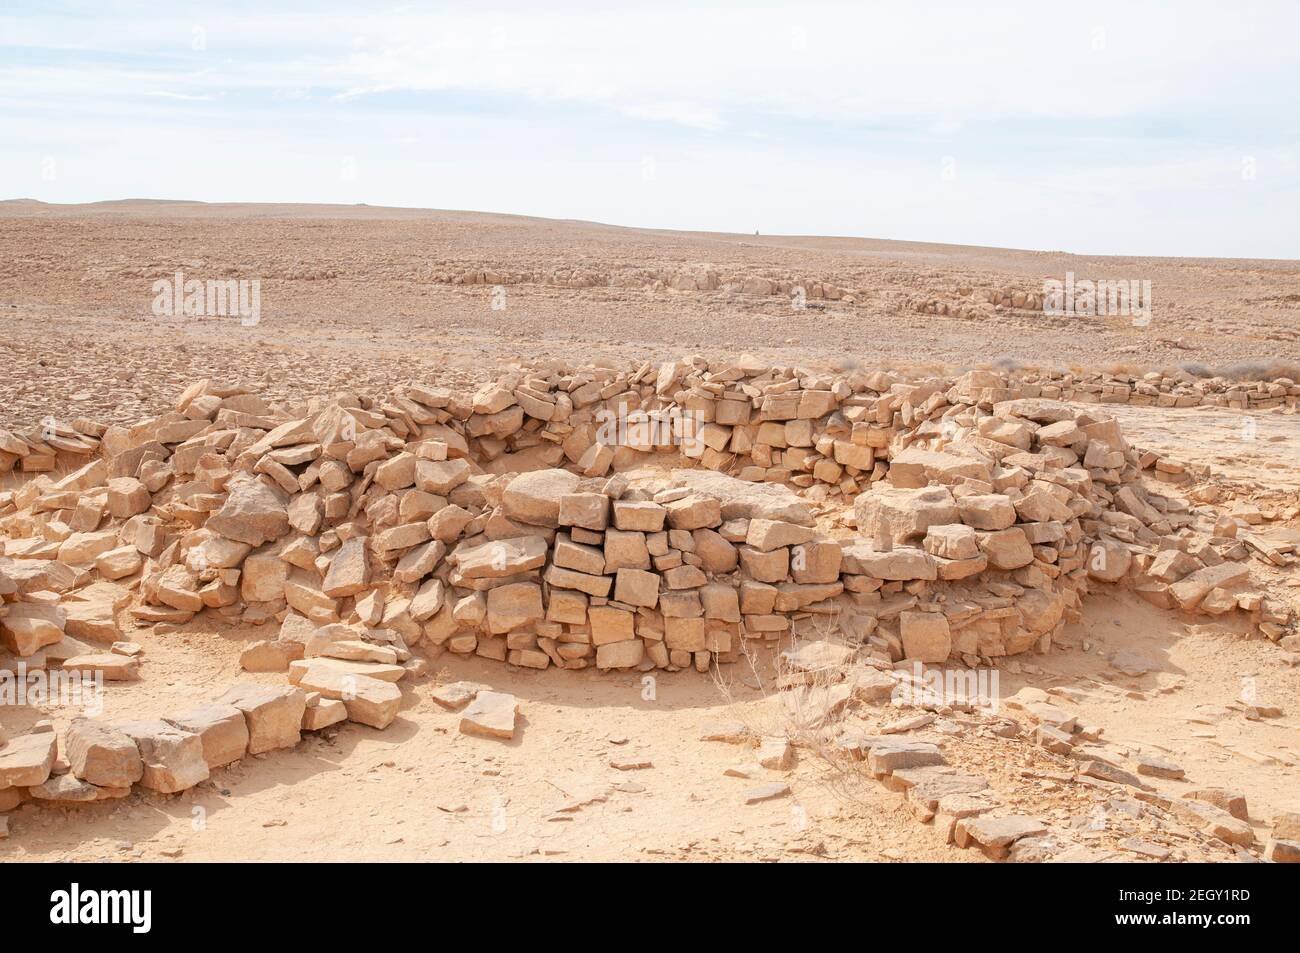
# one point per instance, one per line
(421, 790)
(1257, 450)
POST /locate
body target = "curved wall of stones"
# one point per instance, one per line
(650, 516)
(641, 518)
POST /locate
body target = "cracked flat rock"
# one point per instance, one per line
(820, 657)
(730, 732)
(27, 760)
(766, 792)
(1157, 767)
(631, 764)
(490, 715)
(456, 695)
(776, 753)
(1132, 663)
(997, 831)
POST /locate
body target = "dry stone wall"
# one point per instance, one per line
(652, 517)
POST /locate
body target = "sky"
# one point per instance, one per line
(1128, 128)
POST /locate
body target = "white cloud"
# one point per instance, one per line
(686, 114)
(182, 97)
(946, 62)
(813, 118)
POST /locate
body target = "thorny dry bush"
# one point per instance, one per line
(812, 707)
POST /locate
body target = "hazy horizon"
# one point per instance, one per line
(635, 227)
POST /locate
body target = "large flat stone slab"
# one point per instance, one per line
(102, 755)
(490, 715)
(273, 715)
(741, 499)
(221, 730)
(27, 760)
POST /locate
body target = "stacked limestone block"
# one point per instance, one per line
(931, 520)
(38, 450)
(1032, 501)
(1155, 389)
(490, 523)
(98, 760)
(968, 301)
(701, 277)
(659, 576)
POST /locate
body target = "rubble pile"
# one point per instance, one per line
(1177, 389)
(701, 277)
(652, 517)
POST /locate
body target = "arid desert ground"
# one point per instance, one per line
(354, 296)
(363, 299)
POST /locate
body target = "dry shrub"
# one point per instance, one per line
(1260, 370)
(1244, 370)
(794, 705)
